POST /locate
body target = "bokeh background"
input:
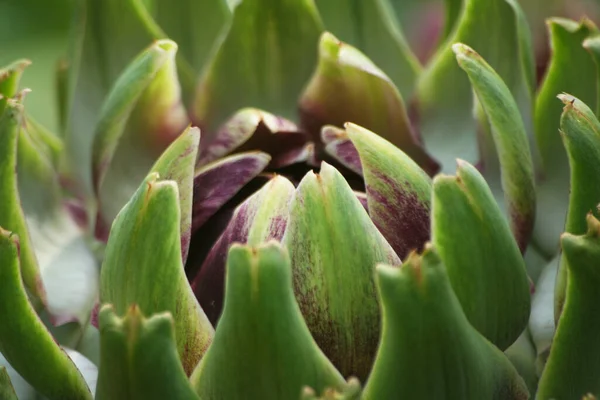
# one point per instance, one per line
(39, 31)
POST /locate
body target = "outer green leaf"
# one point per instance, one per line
(371, 26)
(484, 264)
(107, 36)
(143, 266)
(398, 191)
(581, 134)
(261, 217)
(510, 139)
(139, 358)
(142, 115)
(497, 29)
(194, 25)
(11, 214)
(334, 247)
(7, 392)
(428, 348)
(573, 368)
(10, 76)
(178, 163)
(25, 342)
(567, 38)
(262, 348)
(348, 87)
(264, 61)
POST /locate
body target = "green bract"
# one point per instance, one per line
(278, 199)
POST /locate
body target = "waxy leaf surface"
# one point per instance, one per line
(514, 176)
(573, 367)
(142, 115)
(481, 256)
(262, 347)
(348, 87)
(260, 218)
(567, 38)
(371, 26)
(139, 358)
(428, 349)
(581, 135)
(143, 266)
(25, 342)
(334, 247)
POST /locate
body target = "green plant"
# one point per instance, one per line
(240, 204)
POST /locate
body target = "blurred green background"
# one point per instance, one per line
(39, 29)
(36, 30)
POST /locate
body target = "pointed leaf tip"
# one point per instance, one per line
(473, 238)
(398, 190)
(261, 217)
(575, 337)
(143, 266)
(510, 165)
(279, 354)
(347, 86)
(130, 347)
(334, 247)
(423, 321)
(25, 342)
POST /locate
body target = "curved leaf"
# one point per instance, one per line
(142, 115)
(348, 87)
(143, 266)
(263, 216)
(573, 368)
(483, 261)
(177, 164)
(264, 61)
(398, 191)
(510, 139)
(139, 358)
(581, 135)
(11, 214)
(254, 129)
(10, 76)
(371, 26)
(262, 348)
(25, 342)
(553, 191)
(443, 103)
(216, 183)
(428, 348)
(334, 247)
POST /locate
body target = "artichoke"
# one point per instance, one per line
(278, 199)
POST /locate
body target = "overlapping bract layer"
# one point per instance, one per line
(308, 176)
